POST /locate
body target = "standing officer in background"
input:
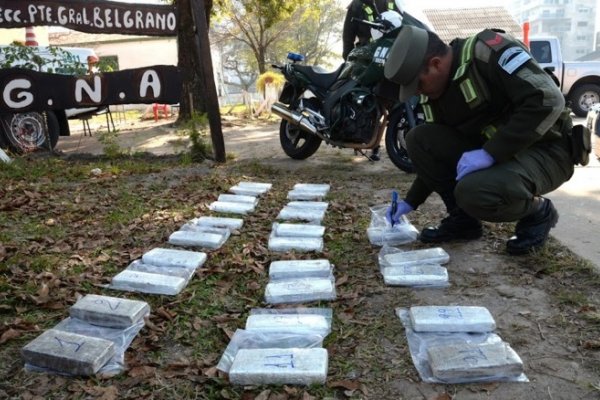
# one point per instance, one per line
(497, 137)
(356, 34)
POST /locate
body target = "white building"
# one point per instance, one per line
(572, 21)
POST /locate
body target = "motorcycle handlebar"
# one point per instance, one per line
(377, 25)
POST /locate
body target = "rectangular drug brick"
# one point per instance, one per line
(305, 195)
(143, 282)
(230, 207)
(250, 188)
(435, 255)
(467, 361)
(220, 222)
(182, 272)
(298, 230)
(288, 323)
(279, 367)
(256, 185)
(303, 214)
(415, 275)
(174, 258)
(299, 269)
(318, 205)
(322, 187)
(299, 290)
(238, 198)
(111, 312)
(68, 352)
(392, 236)
(283, 244)
(202, 238)
(451, 319)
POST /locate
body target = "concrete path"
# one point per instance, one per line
(578, 204)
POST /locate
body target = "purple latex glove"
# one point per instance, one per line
(401, 208)
(472, 161)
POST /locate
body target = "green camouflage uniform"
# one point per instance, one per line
(511, 108)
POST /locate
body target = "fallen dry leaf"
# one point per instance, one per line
(349, 385)
(142, 371)
(9, 334)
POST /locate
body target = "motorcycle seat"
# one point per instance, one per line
(318, 75)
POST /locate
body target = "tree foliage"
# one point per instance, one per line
(256, 23)
(249, 42)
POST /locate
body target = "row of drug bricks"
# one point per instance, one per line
(281, 345)
(99, 329)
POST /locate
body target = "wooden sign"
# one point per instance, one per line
(24, 90)
(92, 16)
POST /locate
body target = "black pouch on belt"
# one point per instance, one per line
(581, 144)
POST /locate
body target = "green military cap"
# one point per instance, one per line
(405, 59)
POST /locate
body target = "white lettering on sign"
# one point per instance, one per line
(25, 97)
(155, 20)
(8, 15)
(150, 80)
(95, 94)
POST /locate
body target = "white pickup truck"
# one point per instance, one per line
(579, 80)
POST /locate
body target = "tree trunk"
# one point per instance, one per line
(193, 88)
(198, 92)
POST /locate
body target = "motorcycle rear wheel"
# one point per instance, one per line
(395, 144)
(296, 143)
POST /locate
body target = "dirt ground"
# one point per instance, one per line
(549, 316)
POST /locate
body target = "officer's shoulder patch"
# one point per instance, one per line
(512, 58)
(493, 39)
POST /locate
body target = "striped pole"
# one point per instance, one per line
(30, 39)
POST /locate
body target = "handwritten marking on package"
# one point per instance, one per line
(106, 302)
(280, 361)
(450, 313)
(473, 356)
(75, 348)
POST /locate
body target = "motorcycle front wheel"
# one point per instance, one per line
(30, 131)
(395, 144)
(296, 143)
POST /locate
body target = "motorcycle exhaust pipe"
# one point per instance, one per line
(294, 118)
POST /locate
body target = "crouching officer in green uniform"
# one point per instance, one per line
(496, 137)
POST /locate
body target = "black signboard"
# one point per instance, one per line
(24, 90)
(92, 16)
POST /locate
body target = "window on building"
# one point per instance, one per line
(582, 23)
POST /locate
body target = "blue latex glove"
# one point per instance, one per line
(472, 161)
(401, 208)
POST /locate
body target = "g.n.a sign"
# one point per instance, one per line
(93, 16)
(26, 90)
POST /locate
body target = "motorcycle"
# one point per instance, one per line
(350, 107)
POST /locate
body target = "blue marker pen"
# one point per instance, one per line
(394, 205)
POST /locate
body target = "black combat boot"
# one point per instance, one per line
(375, 154)
(456, 226)
(532, 231)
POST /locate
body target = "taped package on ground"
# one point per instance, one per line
(219, 222)
(256, 339)
(428, 275)
(460, 357)
(300, 290)
(289, 243)
(279, 367)
(395, 257)
(299, 320)
(380, 232)
(292, 269)
(298, 230)
(76, 347)
(251, 188)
